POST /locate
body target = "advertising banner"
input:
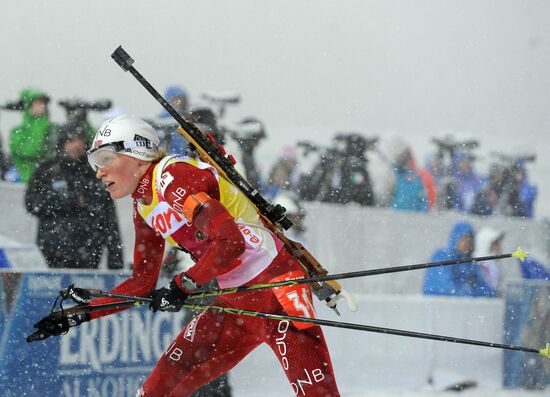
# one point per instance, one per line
(108, 357)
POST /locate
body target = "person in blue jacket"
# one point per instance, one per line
(409, 193)
(467, 183)
(533, 269)
(178, 98)
(457, 280)
(528, 192)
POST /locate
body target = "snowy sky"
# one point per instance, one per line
(306, 68)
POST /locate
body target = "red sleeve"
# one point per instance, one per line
(226, 242)
(148, 255)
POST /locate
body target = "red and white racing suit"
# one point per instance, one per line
(229, 242)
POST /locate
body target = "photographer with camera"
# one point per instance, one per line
(355, 185)
(340, 175)
(453, 170)
(34, 140)
(248, 133)
(528, 192)
(507, 190)
(77, 110)
(76, 217)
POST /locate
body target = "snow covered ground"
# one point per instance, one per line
(475, 392)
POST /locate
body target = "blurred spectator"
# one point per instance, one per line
(284, 174)
(488, 242)
(65, 195)
(409, 190)
(428, 181)
(435, 165)
(502, 193)
(248, 133)
(34, 140)
(532, 268)
(527, 191)
(457, 280)
(486, 200)
(466, 182)
(206, 121)
(382, 175)
(3, 159)
(178, 98)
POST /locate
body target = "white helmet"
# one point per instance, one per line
(130, 136)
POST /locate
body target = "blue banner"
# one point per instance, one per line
(527, 323)
(107, 357)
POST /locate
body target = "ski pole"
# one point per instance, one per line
(519, 253)
(338, 324)
(368, 328)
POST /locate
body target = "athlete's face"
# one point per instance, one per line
(121, 175)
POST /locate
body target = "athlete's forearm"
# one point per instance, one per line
(148, 255)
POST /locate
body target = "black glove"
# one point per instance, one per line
(168, 299)
(55, 324)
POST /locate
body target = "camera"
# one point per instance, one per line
(77, 109)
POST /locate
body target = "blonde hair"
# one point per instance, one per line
(160, 154)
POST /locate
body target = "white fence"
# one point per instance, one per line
(344, 239)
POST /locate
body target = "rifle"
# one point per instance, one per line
(274, 215)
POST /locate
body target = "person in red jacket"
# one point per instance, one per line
(184, 202)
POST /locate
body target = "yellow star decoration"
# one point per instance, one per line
(546, 351)
(520, 254)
